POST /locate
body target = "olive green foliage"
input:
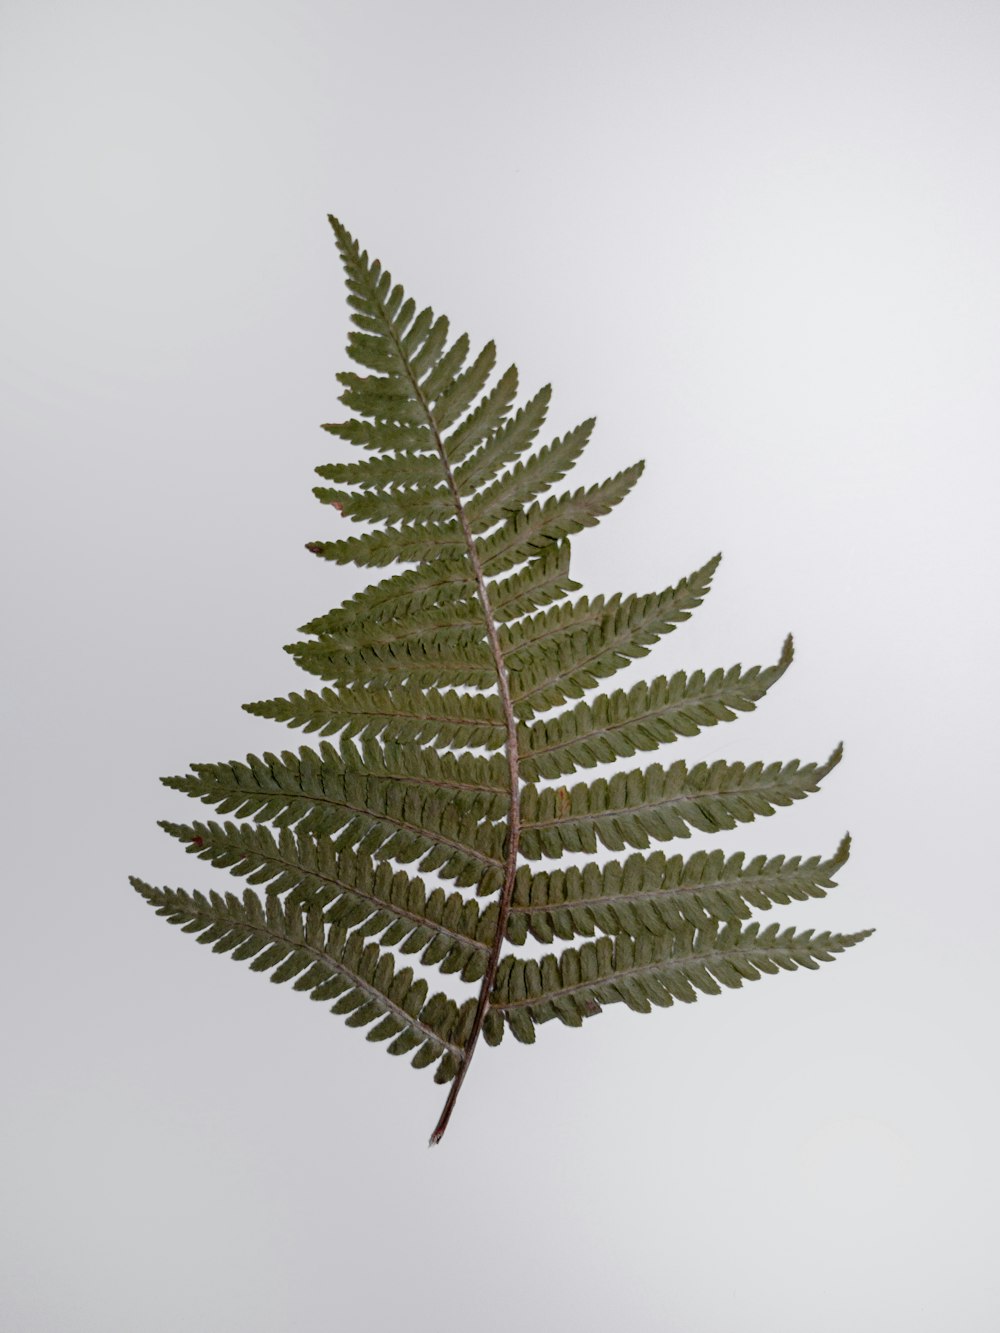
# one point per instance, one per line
(392, 846)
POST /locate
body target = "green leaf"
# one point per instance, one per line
(615, 726)
(403, 714)
(505, 442)
(567, 650)
(386, 438)
(424, 623)
(542, 579)
(456, 688)
(386, 474)
(652, 970)
(560, 516)
(398, 596)
(328, 963)
(426, 504)
(657, 804)
(458, 393)
(529, 478)
(454, 657)
(355, 892)
(483, 423)
(436, 597)
(653, 894)
(437, 821)
(409, 542)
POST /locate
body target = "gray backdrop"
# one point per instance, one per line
(759, 241)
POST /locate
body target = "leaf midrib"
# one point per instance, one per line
(503, 685)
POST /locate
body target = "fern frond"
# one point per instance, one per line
(409, 543)
(528, 478)
(542, 579)
(652, 894)
(320, 794)
(329, 964)
(631, 809)
(441, 681)
(402, 714)
(456, 656)
(425, 623)
(384, 437)
(431, 585)
(484, 423)
(420, 504)
(559, 516)
(380, 397)
(355, 892)
(385, 474)
(615, 726)
(467, 780)
(450, 394)
(646, 970)
(503, 445)
(566, 651)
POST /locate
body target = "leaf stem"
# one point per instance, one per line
(513, 836)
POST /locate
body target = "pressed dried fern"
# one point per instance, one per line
(440, 685)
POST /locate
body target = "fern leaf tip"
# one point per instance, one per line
(708, 569)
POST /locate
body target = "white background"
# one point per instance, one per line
(760, 242)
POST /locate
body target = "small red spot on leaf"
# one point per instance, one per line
(315, 547)
(338, 506)
(197, 840)
(562, 801)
